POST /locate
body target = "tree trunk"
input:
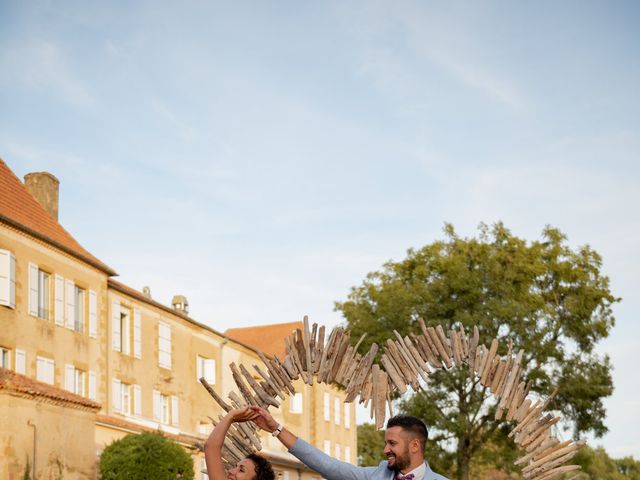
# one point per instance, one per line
(463, 458)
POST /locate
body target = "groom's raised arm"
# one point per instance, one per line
(329, 467)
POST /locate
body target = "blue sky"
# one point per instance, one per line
(261, 158)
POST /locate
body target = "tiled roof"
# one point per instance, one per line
(21, 210)
(266, 338)
(11, 381)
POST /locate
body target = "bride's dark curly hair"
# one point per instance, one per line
(264, 470)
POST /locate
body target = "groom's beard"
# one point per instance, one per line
(398, 462)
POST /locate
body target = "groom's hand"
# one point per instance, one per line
(263, 419)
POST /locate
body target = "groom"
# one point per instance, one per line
(404, 443)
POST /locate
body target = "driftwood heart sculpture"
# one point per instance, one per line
(404, 362)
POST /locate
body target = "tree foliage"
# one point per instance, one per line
(370, 445)
(549, 299)
(147, 456)
(598, 465)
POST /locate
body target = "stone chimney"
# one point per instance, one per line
(180, 303)
(44, 187)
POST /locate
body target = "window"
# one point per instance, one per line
(295, 405)
(74, 380)
(327, 447)
(347, 454)
(126, 398)
(137, 333)
(327, 407)
(78, 316)
(7, 279)
(165, 408)
(347, 415)
(164, 345)
(39, 292)
(338, 452)
(205, 428)
(5, 357)
(206, 367)
(45, 370)
(120, 328)
(336, 410)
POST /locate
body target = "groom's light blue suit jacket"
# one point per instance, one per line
(333, 469)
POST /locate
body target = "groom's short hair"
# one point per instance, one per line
(413, 425)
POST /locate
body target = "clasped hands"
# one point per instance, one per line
(258, 415)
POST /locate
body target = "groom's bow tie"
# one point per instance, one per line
(404, 477)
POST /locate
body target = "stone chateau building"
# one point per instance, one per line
(86, 359)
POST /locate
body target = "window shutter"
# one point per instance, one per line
(50, 371)
(156, 405)
(175, 417)
(137, 400)
(93, 385)
(69, 377)
(126, 327)
(21, 362)
(40, 366)
(93, 314)
(327, 407)
(70, 309)
(347, 416)
(116, 338)
(199, 367)
(210, 370)
(33, 289)
(59, 300)
(137, 333)
(7, 279)
(117, 395)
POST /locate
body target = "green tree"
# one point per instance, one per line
(549, 299)
(598, 465)
(370, 445)
(147, 456)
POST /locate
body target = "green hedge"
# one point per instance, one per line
(147, 456)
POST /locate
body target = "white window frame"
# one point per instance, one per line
(296, 403)
(164, 345)
(116, 327)
(125, 330)
(206, 367)
(79, 305)
(7, 279)
(5, 358)
(70, 304)
(337, 451)
(74, 380)
(45, 370)
(336, 410)
(327, 447)
(347, 454)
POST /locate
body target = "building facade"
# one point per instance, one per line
(67, 324)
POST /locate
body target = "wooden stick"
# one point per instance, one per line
(307, 347)
(486, 364)
(361, 374)
(433, 335)
(443, 340)
(216, 397)
(393, 373)
(346, 340)
(266, 399)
